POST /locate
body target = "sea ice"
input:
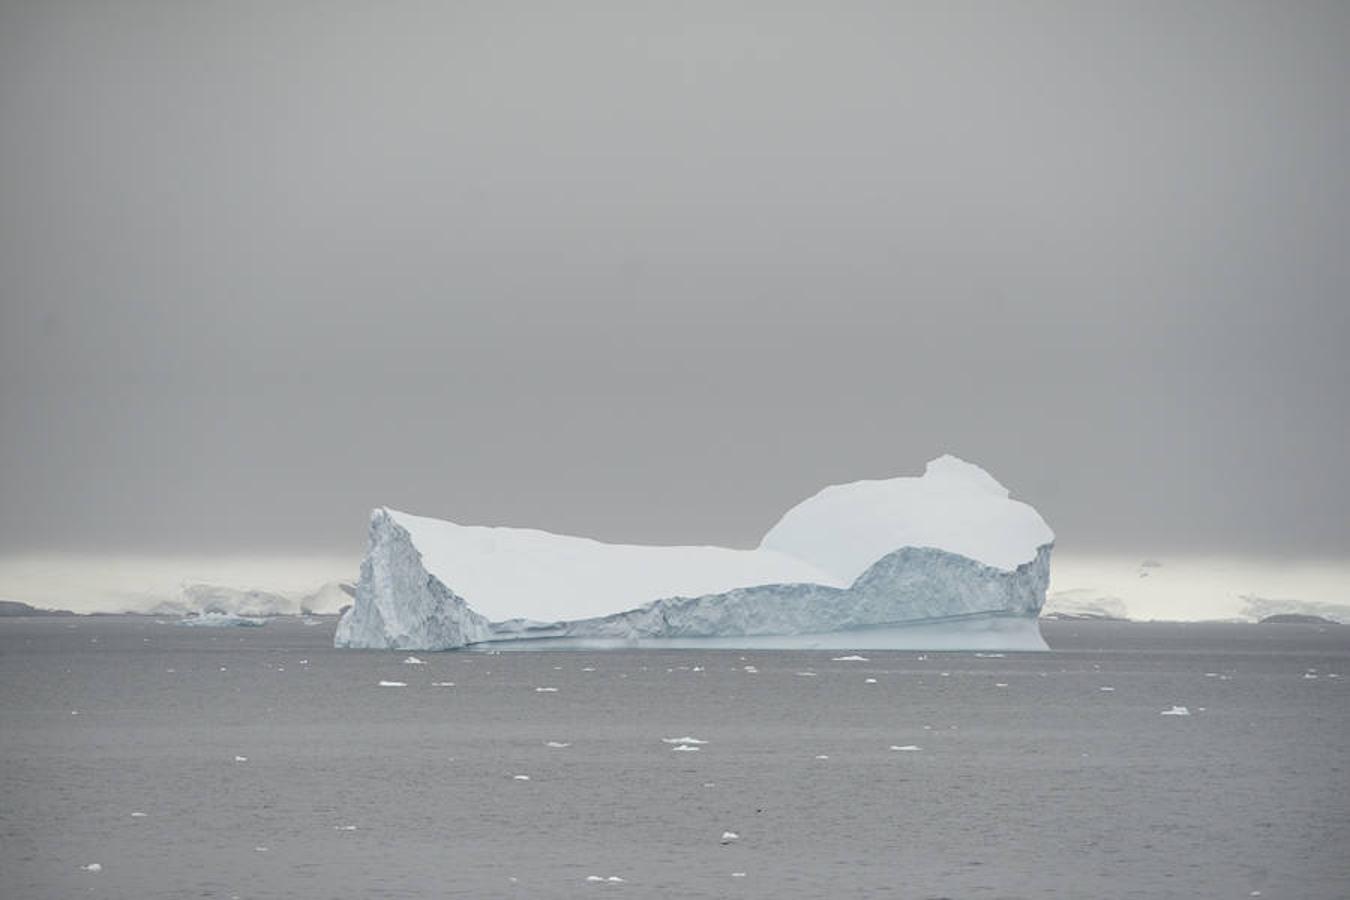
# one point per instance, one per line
(906, 747)
(223, 620)
(93, 867)
(946, 560)
(557, 744)
(686, 748)
(854, 658)
(393, 684)
(414, 661)
(1176, 711)
(730, 836)
(682, 740)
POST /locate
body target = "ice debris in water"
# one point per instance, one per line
(393, 684)
(414, 661)
(682, 740)
(821, 756)
(546, 690)
(686, 748)
(520, 777)
(558, 744)
(869, 681)
(737, 874)
(854, 658)
(93, 867)
(907, 747)
(344, 827)
(1106, 687)
(751, 669)
(1176, 711)
(442, 684)
(241, 759)
(730, 836)
(138, 815)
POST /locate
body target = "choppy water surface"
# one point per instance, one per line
(259, 762)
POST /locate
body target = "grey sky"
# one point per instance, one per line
(657, 271)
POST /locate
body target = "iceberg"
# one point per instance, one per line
(945, 560)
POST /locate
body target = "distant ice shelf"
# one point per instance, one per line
(946, 560)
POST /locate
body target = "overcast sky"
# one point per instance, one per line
(656, 271)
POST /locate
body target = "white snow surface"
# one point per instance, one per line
(829, 539)
(954, 506)
(523, 573)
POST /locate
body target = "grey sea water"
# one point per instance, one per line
(260, 762)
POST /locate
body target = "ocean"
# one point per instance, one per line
(261, 763)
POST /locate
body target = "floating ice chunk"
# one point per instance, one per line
(546, 690)
(686, 748)
(854, 658)
(222, 620)
(737, 874)
(991, 655)
(595, 878)
(821, 756)
(1000, 684)
(682, 740)
(93, 867)
(344, 827)
(241, 759)
(414, 661)
(1310, 675)
(442, 684)
(520, 777)
(807, 674)
(751, 669)
(138, 815)
(869, 681)
(1176, 711)
(558, 744)
(74, 712)
(730, 837)
(1106, 687)
(260, 849)
(393, 684)
(614, 879)
(906, 747)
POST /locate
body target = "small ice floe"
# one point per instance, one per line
(414, 661)
(854, 658)
(93, 867)
(869, 681)
(696, 669)
(945, 674)
(138, 815)
(751, 669)
(344, 827)
(909, 748)
(74, 712)
(1176, 711)
(219, 620)
(737, 874)
(822, 756)
(1106, 687)
(546, 690)
(393, 684)
(1310, 675)
(241, 759)
(442, 684)
(588, 668)
(682, 740)
(558, 744)
(304, 662)
(614, 879)
(595, 878)
(991, 655)
(729, 837)
(807, 674)
(686, 748)
(260, 849)
(520, 778)
(1000, 684)
(1211, 674)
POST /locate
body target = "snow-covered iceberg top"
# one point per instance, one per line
(949, 543)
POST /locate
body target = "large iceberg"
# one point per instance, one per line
(944, 560)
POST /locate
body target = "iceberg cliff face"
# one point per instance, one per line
(855, 563)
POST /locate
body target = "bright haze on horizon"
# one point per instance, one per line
(655, 273)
